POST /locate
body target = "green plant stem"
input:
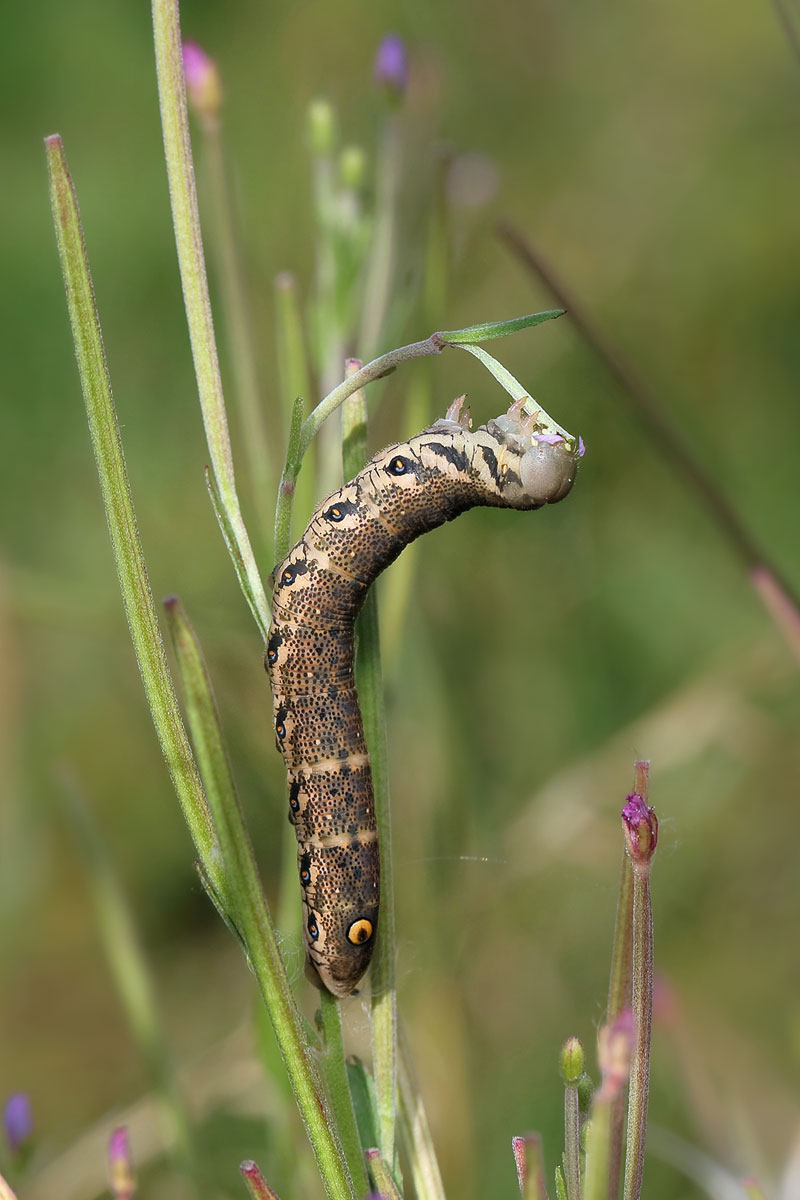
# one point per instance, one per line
(655, 420)
(339, 1090)
(370, 690)
(129, 968)
(643, 1018)
(572, 1130)
(189, 243)
(598, 1139)
(128, 557)
(249, 914)
(261, 453)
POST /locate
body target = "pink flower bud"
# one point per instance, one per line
(640, 825)
(203, 84)
(121, 1178)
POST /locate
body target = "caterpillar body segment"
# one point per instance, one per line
(355, 533)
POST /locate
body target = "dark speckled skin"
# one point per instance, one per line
(320, 586)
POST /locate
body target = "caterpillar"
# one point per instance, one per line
(402, 492)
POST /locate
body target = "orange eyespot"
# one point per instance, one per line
(360, 931)
(398, 466)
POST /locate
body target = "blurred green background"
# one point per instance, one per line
(651, 151)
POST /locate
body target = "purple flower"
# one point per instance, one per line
(581, 447)
(549, 439)
(391, 65)
(17, 1120)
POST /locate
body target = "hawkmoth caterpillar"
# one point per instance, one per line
(319, 587)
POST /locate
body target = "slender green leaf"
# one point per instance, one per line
(134, 583)
(498, 329)
(362, 1090)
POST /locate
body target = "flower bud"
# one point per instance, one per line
(17, 1120)
(203, 83)
(640, 825)
(121, 1178)
(572, 1061)
(352, 167)
(391, 66)
(320, 126)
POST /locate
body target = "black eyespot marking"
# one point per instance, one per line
(288, 576)
(398, 466)
(313, 928)
(334, 513)
(273, 645)
(305, 868)
(294, 792)
(280, 723)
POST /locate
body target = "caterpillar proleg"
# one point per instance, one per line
(402, 492)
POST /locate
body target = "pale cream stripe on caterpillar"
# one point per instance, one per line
(320, 586)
